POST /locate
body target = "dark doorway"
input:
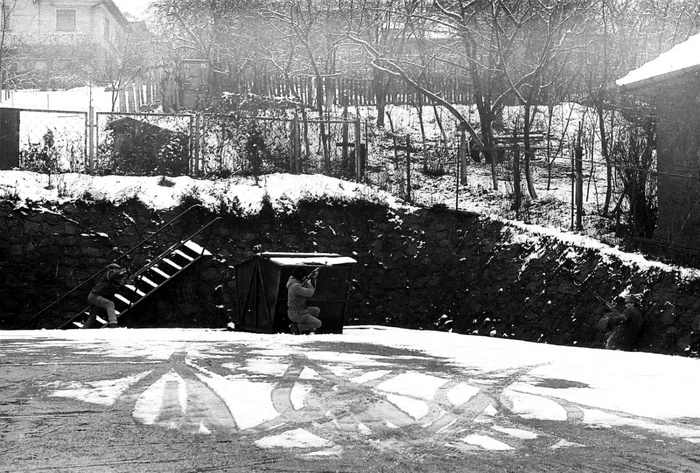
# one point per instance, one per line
(9, 138)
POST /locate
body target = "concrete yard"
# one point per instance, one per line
(371, 399)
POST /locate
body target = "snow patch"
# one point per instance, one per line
(565, 444)
(518, 433)
(250, 403)
(104, 392)
(297, 438)
(413, 384)
(529, 406)
(486, 442)
(308, 374)
(413, 407)
(461, 393)
(298, 394)
(150, 402)
(597, 417)
(370, 376)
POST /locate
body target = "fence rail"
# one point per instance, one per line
(357, 92)
(211, 145)
(43, 140)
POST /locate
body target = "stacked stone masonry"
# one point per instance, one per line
(430, 269)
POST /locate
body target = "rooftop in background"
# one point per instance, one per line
(133, 9)
(681, 61)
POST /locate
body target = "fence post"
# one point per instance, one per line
(345, 128)
(359, 152)
(516, 180)
(463, 156)
(457, 177)
(579, 187)
(408, 168)
(92, 127)
(296, 145)
(196, 145)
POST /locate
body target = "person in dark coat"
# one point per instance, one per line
(625, 326)
(103, 292)
(299, 289)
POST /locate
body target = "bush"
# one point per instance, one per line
(42, 157)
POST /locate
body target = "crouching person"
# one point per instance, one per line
(625, 326)
(103, 293)
(300, 287)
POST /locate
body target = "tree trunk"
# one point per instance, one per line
(606, 154)
(528, 153)
(380, 84)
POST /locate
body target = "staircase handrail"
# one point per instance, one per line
(141, 243)
(156, 260)
(172, 248)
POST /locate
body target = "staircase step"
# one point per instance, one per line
(200, 250)
(172, 263)
(133, 288)
(184, 255)
(122, 298)
(161, 272)
(148, 281)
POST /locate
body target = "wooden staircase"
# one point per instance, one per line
(140, 285)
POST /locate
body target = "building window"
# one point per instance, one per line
(5, 23)
(65, 20)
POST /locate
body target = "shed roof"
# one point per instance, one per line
(132, 124)
(681, 60)
(296, 259)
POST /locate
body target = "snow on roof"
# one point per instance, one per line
(314, 260)
(681, 59)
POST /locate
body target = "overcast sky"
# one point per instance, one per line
(134, 7)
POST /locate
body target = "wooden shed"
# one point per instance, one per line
(672, 83)
(262, 293)
(143, 148)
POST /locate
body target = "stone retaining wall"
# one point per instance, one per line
(429, 269)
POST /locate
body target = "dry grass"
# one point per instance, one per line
(552, 208)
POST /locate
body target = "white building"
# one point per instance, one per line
(50, 36)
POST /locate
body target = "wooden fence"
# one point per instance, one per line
(359, 92)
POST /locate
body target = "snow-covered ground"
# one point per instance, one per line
(158, 193)
(73, 100)
(505, 380)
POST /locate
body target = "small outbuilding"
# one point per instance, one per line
(142, 148)
(672, 83)
(261, 290)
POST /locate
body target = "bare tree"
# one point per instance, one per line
(6, 9)
(309, 25)
(220, 32)
(509, 48)
(624, 35)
